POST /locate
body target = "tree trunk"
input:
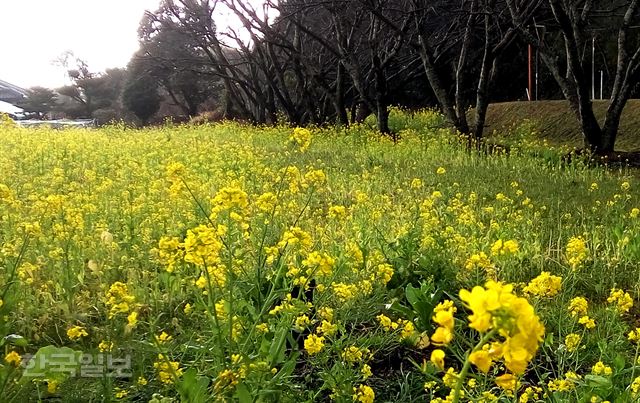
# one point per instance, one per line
(354, 112)
(382, 111)
(439, 89)
(461, 67)
(382, 116)
(612, 121)
(341, 110)
(362, 112)
(482, 91)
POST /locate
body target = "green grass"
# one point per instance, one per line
(555, 122)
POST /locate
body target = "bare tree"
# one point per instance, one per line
(455, 35)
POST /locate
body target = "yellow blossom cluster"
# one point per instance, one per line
(230, 198)
(507, 247)
(314, 344)
(202, 246)
(353, 354)
(301, 137)
(572, 341)
(480, 261)
(599, 368)
(578, 306)
(118, 299)
(76, 333)
(495, 308)
(576, 252)
(168, 371)
(443, 316)
(545, 285)
(363, 394)
(621, 299)
(13, 358)
(320, 264)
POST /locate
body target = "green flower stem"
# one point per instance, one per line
(467, 364)
(635, 361)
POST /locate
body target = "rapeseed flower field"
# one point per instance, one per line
(226, 262)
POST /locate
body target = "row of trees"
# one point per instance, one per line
(90, 95)
(337, 61)
(119, 94)
(318, 61)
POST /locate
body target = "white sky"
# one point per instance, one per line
(33, 33)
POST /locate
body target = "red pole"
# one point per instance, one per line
(530, 72)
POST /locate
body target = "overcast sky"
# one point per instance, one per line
(35, 32)
(104, 33)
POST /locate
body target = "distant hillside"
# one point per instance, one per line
(555, 121)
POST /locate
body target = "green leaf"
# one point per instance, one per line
(597, 381)
(193, 388)
(242, 394)
(423, 301)
(50, 362)
(276, 351)
(401, 309)
(412, 295)
(287, 368)
(16, 340)
(619, 363)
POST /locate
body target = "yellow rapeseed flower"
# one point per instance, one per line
(450, 378)
(601, 369)
(168, 371)
(545, 285)
(578, 306)
(313, 344)
(496, 307)
(635, 386)
(443, 316)
(363, 394)
(572, 341)
(119, 299)
(501, 248)
(76, 332)
(13, 358)
(634, 335)
(576, 252)
(105, 346)
(327, 328)
(163, 338)
(481, 359)
(507, 382)
(622, 299)
(52, 385)
(301, 137)
(587, 322)
(132, 320)
(353, 354)
(437, 358)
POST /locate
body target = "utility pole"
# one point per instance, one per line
(530, 92)
(593, 67)
(537, 67)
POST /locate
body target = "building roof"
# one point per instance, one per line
(10, 92)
